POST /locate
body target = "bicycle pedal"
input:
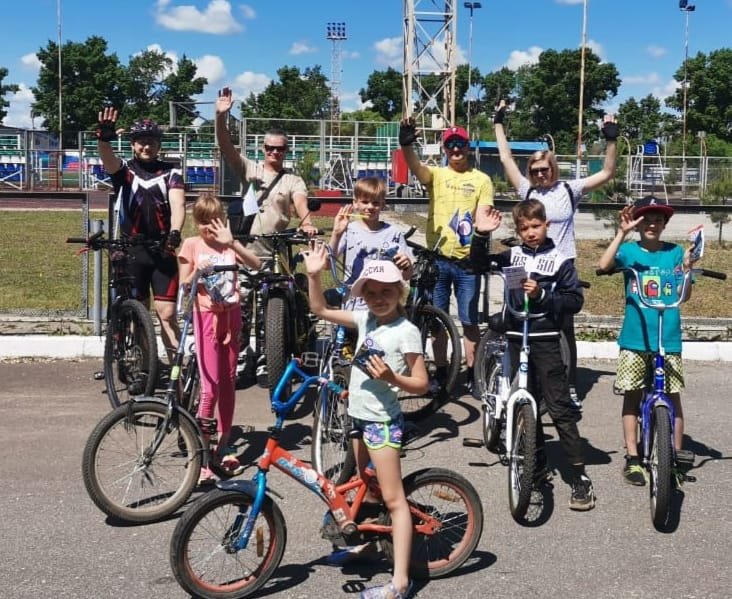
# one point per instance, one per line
(472, 442)
(98, 375)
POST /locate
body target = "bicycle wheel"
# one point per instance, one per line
(433, 323)
(330, 429)
(121, 475)
(277, 343)
(521, 462)
(660, 466)
(130, 353)
(488, 369)
(202, 553)
(451, 499)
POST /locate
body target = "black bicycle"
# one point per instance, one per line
(142, 461)
(130, 346)
(441, 343)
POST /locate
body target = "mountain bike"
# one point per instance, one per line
(130, 345)
(441, 342)
(510, 411)
(142, 461)
(284, 325)
(231, 540)
(656, 422)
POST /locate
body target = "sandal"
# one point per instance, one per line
(206, 477)
(387, 591)
(229, 462)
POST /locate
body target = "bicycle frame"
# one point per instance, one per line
(335, 496)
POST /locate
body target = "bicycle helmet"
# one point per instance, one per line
(145, 128)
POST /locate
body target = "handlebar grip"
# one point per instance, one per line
(585, 284)
(225, 267)
(712, 274)
(601, 273)
(410, 232)
(77, 240)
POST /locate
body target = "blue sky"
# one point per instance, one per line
(243, 44)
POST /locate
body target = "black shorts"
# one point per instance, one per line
(153, 269)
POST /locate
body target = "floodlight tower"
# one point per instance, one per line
(430, 34)
(686, 8)
(336, 33)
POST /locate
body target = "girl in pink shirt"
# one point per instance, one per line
(216, 318)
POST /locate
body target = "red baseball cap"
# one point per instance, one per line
(455, 132)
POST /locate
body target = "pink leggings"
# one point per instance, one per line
(217, 346)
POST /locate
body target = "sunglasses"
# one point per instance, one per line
(543, 170)
(275, 148)
(455, 144)
(146, 141)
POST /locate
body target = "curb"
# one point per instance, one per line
(82, 346)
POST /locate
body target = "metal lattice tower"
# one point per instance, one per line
(430, 51)
(336, 32)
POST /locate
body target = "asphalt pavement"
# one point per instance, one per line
(57, 544)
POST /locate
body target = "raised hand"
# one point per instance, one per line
(315, 258)
(105, 127)
(224, 101)
(487, 219)
(627, 222)
(222, 232)
(340, 222)
(610, 130)
(500, 113)
(407, 131)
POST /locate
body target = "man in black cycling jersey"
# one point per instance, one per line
(150, 204)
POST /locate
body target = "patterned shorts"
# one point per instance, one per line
(634, 366)
(381, 434)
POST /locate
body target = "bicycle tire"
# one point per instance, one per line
(522, 462)
(200, 565)
(454, 501)
(430, 319)
(488, 369)
(130, 353)
(277, 343)
(660, 466)
(331, 424)
(125, 483)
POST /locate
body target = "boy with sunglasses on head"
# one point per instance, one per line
(457, 191)
(561, 199)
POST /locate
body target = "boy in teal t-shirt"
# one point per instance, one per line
(662, 266)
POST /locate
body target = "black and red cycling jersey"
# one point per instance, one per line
(142, 204)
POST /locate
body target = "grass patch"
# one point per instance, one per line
(40, 272)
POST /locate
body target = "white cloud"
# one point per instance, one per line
(656, 51)
(30, 62)
(649, 79)
(597, 48)
(248, 11)
(569, 1)
(351, 101)
(211, 67)
(351, 55)
(389, 51)
(20, 108)
(250, 83)
(519, 58)
(216, 18)
(298, 48)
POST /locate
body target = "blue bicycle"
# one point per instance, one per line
(657, 415)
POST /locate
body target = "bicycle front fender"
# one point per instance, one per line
(245, 487)
(516, 399)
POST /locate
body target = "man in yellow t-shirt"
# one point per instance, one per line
(456, 192)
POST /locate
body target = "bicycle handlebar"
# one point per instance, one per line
(282, 408)
(290, 236)
(97, 241)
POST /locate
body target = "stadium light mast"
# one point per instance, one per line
(582, 88)
(60, 84)
(686, 8)
(336, 33)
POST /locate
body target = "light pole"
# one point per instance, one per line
(471, 6)
(628, 173)
(686, 8)
(582, 88)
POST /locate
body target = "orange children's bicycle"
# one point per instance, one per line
(230, 542)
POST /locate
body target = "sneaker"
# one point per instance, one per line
(367, 552)
(633, 472)
(261, 372)
(229, 462)
(207, 477)
(583, 495)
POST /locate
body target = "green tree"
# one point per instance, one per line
(709, 94)
(368, 122)
(9, 88)
(641, 121)
(547, 96)
(296, 95)
(144, 85)
(384, 91)
(180, 87)
(90, 78)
